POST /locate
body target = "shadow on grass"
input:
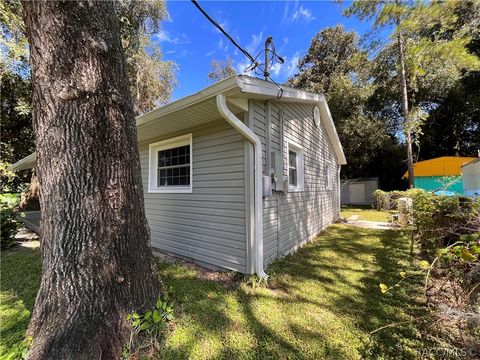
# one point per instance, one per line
(20, 280)
(362, 260)
(320, 303)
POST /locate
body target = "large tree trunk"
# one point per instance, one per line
(408, 132)
(97, 263)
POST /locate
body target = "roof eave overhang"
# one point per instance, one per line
(240, 86)
(228, 85)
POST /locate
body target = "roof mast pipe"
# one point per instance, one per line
(266, 73)
(270, 48)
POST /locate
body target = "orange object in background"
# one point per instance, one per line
(441, 166)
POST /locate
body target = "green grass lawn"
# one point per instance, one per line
(366, 213)
(20, 279)
(320, 303)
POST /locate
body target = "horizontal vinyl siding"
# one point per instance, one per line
(291, 218)
(259, 109)
(209, 224)
(270, 229)
(304, 214)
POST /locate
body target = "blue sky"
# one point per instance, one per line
(192, 42)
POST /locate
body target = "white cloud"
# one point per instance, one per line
(294, 11)
(287, 69)
(210, 53)
(165, 36)
(242, 66)
(256, 40)
(223, 45)
(302, 14)
(183, 53)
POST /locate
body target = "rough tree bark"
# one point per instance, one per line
(405, 113)
(97, 263)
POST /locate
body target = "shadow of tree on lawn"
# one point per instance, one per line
(321, 302)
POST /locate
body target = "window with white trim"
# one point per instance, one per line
(328, 177)
(295, 166)
(170, 165)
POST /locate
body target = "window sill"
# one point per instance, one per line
(171, 190)
(295, 189)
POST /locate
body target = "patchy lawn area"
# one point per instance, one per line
(20, 279)
(320, 303)
(366, 213)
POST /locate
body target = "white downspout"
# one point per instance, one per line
(258, 208)
(339, 190)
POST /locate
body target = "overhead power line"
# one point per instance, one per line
(254, 63)
(217, 25)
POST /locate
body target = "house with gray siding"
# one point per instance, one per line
(238, 174)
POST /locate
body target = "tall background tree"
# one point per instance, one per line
(96, 260)
(453, 126)
(151, 78)
(336, 66)
(366, 87)
(16, 131)
(221, 69)
(431, 55)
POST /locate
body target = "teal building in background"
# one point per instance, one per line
(432, 183)
(442, 173)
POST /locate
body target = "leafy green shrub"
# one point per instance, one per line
(379, 200)
(440, 221)
(388, 200)
(447, 230)
(8, 226)
(147, 328)
(20, 350)
(9, 181)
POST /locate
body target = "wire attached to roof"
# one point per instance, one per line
(254, 63)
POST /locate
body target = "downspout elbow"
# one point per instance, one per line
(258, 208)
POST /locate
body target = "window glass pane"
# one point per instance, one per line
(292, 159)
(174, 166)
(292, 168)
(292, 176)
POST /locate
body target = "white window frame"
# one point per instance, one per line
(300, 164)
(328, 177)
(153, 164)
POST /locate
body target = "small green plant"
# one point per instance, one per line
(148, 328)
(8, 226)
(255, 281)
(20, 350)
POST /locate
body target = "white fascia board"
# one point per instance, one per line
(28, 162)
(327, 120)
